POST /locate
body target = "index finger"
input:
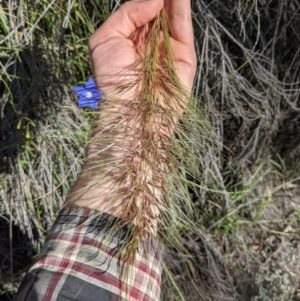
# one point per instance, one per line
(180, 14)
(130, 16)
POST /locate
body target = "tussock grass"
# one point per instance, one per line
(253, 113)
(42, 132)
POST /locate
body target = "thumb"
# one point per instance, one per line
(129, 17)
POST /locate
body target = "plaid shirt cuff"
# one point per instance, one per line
(82, 260)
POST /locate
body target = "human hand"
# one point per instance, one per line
(119, 42)
(116, 177)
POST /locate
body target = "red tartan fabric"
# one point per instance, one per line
(82, 260)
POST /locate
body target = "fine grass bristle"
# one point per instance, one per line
(141, 154)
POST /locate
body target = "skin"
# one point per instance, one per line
(117, 44)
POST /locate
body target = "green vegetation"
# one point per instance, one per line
(247, 201)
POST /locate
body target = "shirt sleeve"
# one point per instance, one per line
(83, 260)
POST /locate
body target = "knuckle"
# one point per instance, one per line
(91, 42)
(192, 60)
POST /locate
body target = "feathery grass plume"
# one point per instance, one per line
(141, 154)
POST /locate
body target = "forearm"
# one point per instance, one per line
(125, 160)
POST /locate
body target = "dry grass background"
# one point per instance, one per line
(249, 80)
